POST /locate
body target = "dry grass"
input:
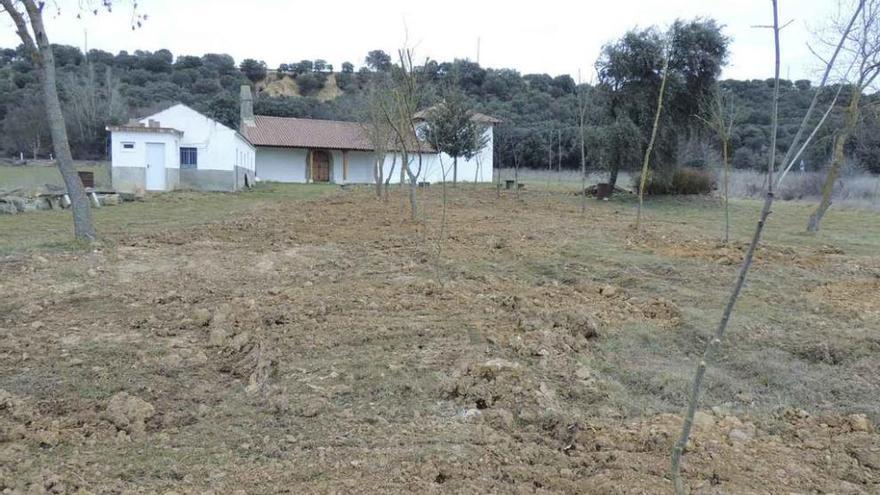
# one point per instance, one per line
(565, 180)
(852, 190)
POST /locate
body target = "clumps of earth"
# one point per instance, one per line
(25, 425)
(129, 413)
(727, 254)
(546, 332)
(239, 336)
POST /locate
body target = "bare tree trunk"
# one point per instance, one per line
(724, 156)
(442, 236)
(390, 175)
(876, 192)
(559, 155)
(413, 203)
(377, 176)
(454, 172)
(715, 342)
(583, 170)
(497, 175)
(42, 53)
(647, 162)
(516, 175)
(612, 176)
(837, 160)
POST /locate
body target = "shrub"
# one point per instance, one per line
(310, 82)
(682, 181)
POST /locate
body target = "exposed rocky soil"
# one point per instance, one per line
(333, 347)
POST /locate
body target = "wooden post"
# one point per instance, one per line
(344, 166)
(309, 159)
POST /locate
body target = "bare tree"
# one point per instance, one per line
(549, 156)
(719, 115)
(406, 94)
(378, 132)
(583, 107)
(517, 155)
(715, 341)
(92, 107)
(647, 162)
(25, 126)
(559, 155)
(27, 15)
(863, 44)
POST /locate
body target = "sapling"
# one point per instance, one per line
(647, 161)
(582, 129)
(715, 341)
(720, 117)
(864, 45)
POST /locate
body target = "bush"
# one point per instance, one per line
(682, 181)
(310, 82)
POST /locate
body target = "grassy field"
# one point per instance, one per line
(177, 210)
(312, 339)
(852, 190)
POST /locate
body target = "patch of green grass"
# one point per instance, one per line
(53, 230)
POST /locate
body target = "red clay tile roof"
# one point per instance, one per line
(306, 133)
(284, 132)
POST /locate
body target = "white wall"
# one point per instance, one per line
(434, 165)
(137, 157)
(281, 164)
(244, 151)
(360, 167)
(219, 147)
(290, 165)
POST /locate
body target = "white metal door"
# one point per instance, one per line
(155, 167)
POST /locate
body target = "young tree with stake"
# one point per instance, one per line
(863, 45)
(715, 340)
(583, 107)
(377, 131)
(719, 115)
(647, 162)
(399, 110)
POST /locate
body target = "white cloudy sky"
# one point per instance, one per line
(553, 36)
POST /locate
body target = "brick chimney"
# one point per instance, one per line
(247, 107)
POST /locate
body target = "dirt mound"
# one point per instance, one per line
(858, 299)
(729, 254)
(506, 395)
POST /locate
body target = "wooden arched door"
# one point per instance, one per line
(320, 166)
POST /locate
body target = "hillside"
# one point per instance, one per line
(539, 111)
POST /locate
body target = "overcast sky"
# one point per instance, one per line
(552, 36)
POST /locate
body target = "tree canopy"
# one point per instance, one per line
(538, 109)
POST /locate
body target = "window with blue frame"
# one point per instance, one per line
(189, 158)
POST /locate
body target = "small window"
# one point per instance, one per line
(189, 158)
(128, 146)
